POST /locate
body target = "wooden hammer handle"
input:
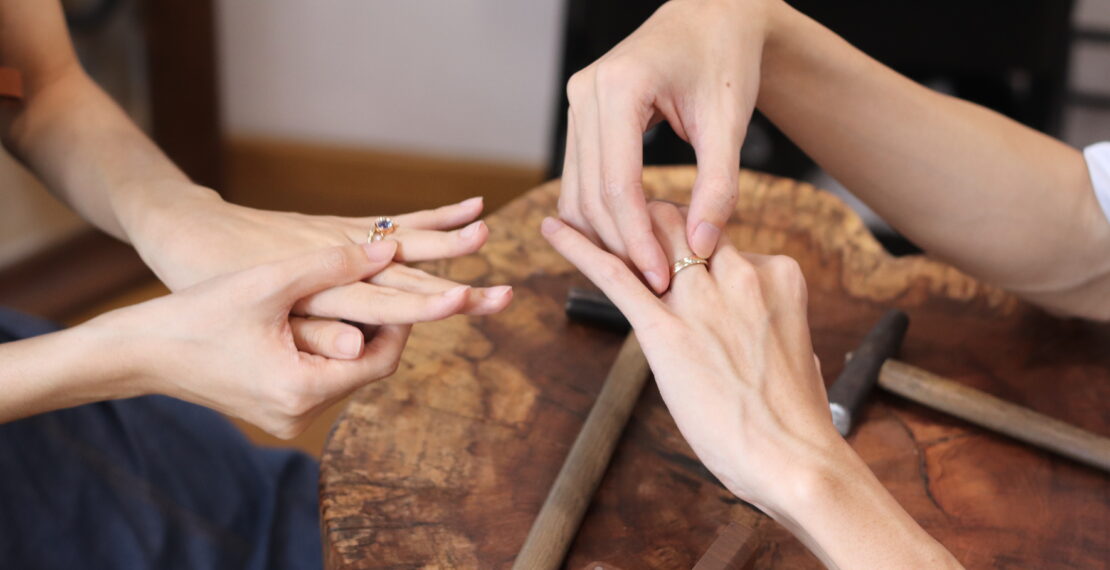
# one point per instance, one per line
(570, 495)
(995, 414)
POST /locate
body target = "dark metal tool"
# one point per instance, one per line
(861, 372)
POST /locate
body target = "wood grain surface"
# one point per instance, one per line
(446, 463)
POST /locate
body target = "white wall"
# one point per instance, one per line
(462, 78)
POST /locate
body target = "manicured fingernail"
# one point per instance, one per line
(380, 250)
(349, 344)
(550, 225)
(655, 280)
(705, 239)
(496, 292)
(469, 231)
(471, 201)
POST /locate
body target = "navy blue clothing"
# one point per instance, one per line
(148, 482)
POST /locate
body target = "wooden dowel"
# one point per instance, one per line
(570, 495)
(995, 414)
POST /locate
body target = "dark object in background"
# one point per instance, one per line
(1011, 57)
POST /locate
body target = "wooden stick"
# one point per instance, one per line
(995, 414)
(570, 495)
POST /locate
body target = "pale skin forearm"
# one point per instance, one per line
(1003, 202)
(63, 369)
(76, 139)
(834, 504)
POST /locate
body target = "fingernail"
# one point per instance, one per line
(349, 343)
(550, 225)
(469, 231)
(496, 292)
(471, 201)
(655, 280)
(380, 250)
(705, 239)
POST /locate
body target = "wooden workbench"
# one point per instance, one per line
(446, 463)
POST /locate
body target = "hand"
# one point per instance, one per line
(211, 237)
(730, 349)
(695, 64)
(228, 344)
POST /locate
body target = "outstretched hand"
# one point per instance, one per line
(694, 64)
(729, 345)
(730, 349)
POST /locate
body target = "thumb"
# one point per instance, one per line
(715, 189)
(294, 279)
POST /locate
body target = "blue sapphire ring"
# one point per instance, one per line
(382, 227)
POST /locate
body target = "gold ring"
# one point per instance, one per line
(382, 227)
(688, 262)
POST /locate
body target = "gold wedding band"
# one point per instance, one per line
(688, 262)
(382, 227)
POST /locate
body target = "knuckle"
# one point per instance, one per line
(390, 367)
(579, 86)
(294, 403)
(611, 269)
(785, 267)
(336, 261)
(591, 210)
(620, 75)
(745, 273)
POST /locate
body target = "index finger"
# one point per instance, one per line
(622, 165)
(638, 303)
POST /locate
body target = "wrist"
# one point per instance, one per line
(108, 349)
(837, 507)
(157, 222)
(148, 209)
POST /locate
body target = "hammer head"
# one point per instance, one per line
(861, 372)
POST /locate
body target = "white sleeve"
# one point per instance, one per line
(1098, 163)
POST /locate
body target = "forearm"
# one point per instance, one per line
(1005, 203)
(63, 369)
(843, 514)
(93, 157)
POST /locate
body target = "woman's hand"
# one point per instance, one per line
(729, 345)
(695, 64)
(730, 349)
(210, 237)
(228, 342)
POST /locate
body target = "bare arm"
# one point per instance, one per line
(999, 200)
(75, 138)
(90, 155)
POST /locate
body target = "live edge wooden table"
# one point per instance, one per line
(446, 463)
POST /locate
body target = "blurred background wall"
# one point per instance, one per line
(463, 79)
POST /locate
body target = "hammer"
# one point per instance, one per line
(873, 363)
